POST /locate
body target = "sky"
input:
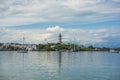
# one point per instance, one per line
(87, 22)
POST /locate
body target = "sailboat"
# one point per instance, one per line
(74, 47)
(74, 50)
(23, 49)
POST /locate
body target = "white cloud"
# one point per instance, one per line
(31, 35)
(55, 29)
(21, 12)
(50, 34)
(80, 4)
(116, 0)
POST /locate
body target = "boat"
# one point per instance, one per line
(74, 47)
(74, 50)
(23, 49)
(113, 51)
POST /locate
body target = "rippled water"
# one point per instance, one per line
(59, 66)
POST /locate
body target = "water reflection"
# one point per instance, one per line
(59, 66)
(60, 61)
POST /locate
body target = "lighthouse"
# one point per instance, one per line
(60, 38)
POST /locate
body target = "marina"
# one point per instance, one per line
(59, 39)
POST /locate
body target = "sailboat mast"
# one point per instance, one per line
(74, 43)
(23, 40)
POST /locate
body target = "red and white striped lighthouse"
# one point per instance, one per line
(60, 38)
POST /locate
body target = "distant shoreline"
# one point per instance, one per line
(52, 47)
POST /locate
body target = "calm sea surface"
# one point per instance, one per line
(59, 66)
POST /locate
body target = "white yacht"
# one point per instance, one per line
(113, 51)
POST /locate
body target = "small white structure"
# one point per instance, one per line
(113, 51)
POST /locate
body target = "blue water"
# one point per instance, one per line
(59, 66)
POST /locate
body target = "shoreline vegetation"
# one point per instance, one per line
(51, 47)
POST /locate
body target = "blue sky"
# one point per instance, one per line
(95, 22)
